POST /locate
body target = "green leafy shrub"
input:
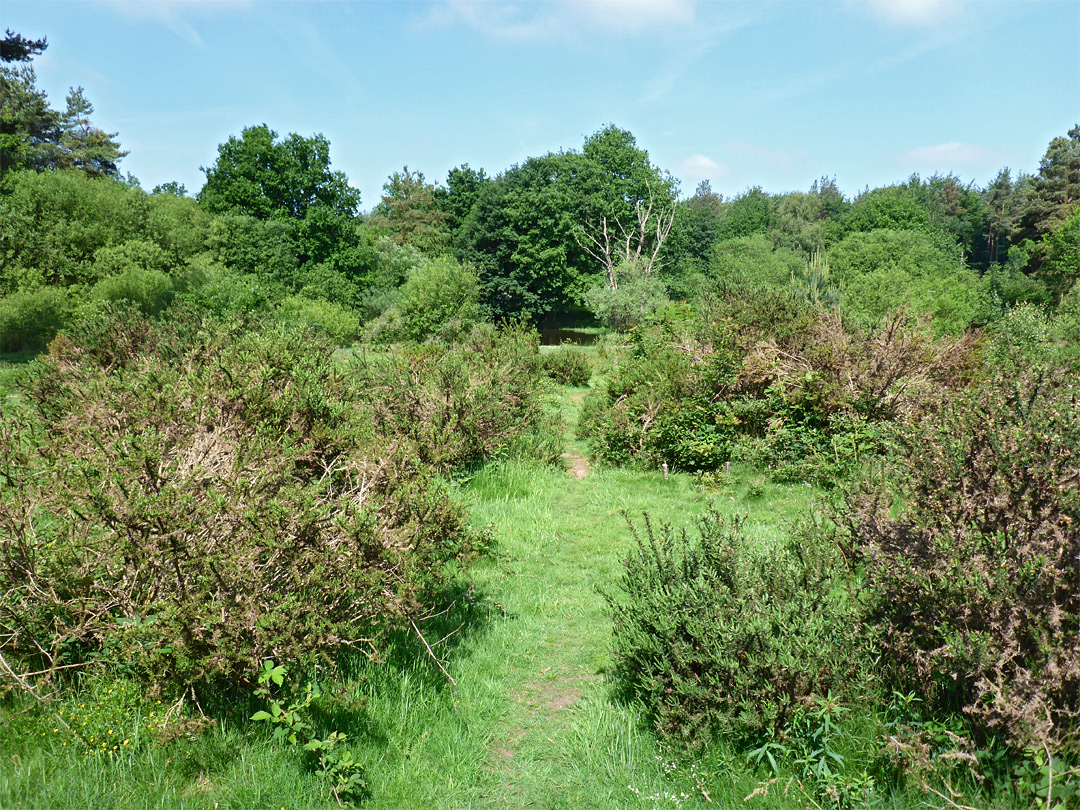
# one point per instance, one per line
(718, 634)
(150, 290)
(973, 566)
(567, 366)
(218, 290)
(439, 294)
(134, 254)
(337, 322)
(30, 319)
(291, 721)
(637, 297)
(196, 496)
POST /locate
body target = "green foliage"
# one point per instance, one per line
(1011, 286)
(35, 136)
(893, 208)
(55, 222)
(410, 212)
(149, 290)
(752, 262)
(30, 319)
(771, 380)
(440, 296)
(567, 365)
(134, 254)
(882, 270)
(749, 213)
(253, 247)
(202, 495)
(1052, 198)
(522, 232)
(463, 403)
(809, 222)
(220, 291)
(260, 176)
(638, 296)
(340, 324)
(1066, 323)
(1021, 337)
(718, 635)
(1061, 269)
(459, 195)
(972, 566)
(291, 723)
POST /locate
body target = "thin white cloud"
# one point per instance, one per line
(560, 19)
(701, 167)
(175, 14)
(915, 12)
(694, 45)
(951, 155)
(635, 15)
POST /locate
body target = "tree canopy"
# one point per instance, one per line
(33, 135)
(261, 176)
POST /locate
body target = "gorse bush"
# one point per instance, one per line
(567, 366)
(773, 381)
(196, 496)
(462, 403)
(972, 569)
(719, 634)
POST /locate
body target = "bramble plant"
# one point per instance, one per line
(292, 724)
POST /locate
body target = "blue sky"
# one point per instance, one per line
(774, 94)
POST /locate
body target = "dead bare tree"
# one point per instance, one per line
(611, 243)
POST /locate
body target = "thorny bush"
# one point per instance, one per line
(192, 497)
(774, 381)
(718, 634)
(462, 403)
(973, 561)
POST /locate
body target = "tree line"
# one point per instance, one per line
(597, 232)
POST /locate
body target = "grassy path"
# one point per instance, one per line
(533, 722)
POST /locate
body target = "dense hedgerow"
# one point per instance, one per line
(720, 634)
(194, 496)
(773, 381)
(974, 566)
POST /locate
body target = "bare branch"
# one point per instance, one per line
(434, 657)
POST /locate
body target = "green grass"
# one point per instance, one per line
(532, 722)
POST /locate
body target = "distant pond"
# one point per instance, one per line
(557, 337)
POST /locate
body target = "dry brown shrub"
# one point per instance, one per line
(975, 567)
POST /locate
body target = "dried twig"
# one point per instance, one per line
(434, 657)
